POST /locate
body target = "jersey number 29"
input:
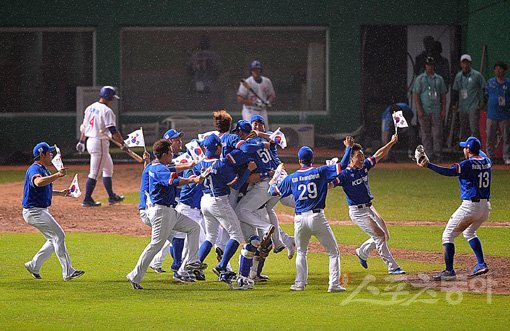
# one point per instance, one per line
(308, 191)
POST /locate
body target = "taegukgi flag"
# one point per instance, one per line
(183, 159)
(399, 120)
(57, 159)
(135, 139)
(195, 150)
(75, 188)
(279, 138)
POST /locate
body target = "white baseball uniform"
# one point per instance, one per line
(98, 118)
(264, 90)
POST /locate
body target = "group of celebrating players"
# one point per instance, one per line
(227, 200)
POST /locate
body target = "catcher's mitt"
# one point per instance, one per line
(420, 156)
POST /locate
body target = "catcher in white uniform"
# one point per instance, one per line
(256, 93)
(99, 118)
(354, 181)
(37, 193)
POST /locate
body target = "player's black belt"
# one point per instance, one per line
(169, 205)
(368, 204)
(315, 211)
(475, 200)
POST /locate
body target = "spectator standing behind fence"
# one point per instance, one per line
(419, 62)
(442, 63)
(498, 111)
(429, 92)
(205, 67)
(467, 94)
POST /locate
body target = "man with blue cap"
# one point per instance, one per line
(37, 194)
(475, 174)
(309, 187)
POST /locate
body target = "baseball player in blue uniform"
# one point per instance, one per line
(215, 205)
(475, 174)
(354, 181)
(37, 194)
(309, 187)
(164, 218)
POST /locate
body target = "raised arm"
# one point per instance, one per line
(383, 151)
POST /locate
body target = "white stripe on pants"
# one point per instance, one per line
(368, 220)
(306, 225)
(41, 219)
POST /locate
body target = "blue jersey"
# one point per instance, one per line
(498, 105)
(221, 178)
(230, 142)
(475, 175)
(261, 157)
(309, 187)
(355, 183)
(162, 183)
(34, 196)
(191, 194)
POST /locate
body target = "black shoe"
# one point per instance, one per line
(199, 274)
(34, 275)
(219, 254)
(76, 274)
(90, 203)
(134, 285)
(115, 199)
(158, 270)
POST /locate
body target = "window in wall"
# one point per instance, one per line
(192, 70)
(40, 68)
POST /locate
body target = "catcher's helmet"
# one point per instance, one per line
(256, 65)
(108, 93)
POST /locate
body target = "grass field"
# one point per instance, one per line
(103, 299)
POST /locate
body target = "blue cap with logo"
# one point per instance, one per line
(172, 134)
(42, 147)
(305, 154)
(472, 143)
(255, 118)
(211, 143)
(243, 125)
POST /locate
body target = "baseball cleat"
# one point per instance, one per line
(243, 283)
(90, 203)
(76, 274)
(295, 287)
(219, 254)
(478, 270)
(197, 265)
(199, 274)
(34, 275)
(445, 275)
(115, 199)
(134, 285)
(260, 278)
(158, 270)
(336, 288)
(278, 249)
(363, 262)
(183, 278)
(227, 277)
(397, 271)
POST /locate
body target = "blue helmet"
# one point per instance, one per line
(108, 93)
(256, 65)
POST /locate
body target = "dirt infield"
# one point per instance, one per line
(124, 219)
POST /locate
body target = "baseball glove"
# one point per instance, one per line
(420, 156)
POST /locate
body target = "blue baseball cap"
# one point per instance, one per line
(305, 154)
(257, 118)
(42, 147)
(243, 125)
(211, 143)
(171, 134)
(472, 143)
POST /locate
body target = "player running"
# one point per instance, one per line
(475, 174)
(354, 181)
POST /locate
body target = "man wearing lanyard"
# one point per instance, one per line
(467, 94)
(429, 93)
